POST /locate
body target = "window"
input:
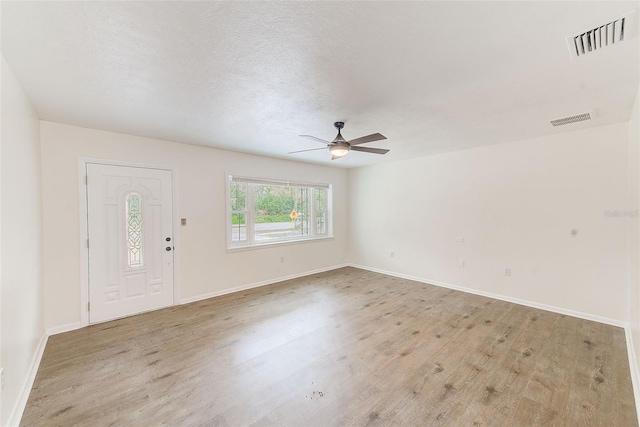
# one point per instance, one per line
(133, 214)
(262, 211)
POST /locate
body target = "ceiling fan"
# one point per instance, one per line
(340, 147)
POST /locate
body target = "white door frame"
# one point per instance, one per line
(84, 230)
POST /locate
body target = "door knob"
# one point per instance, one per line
(168, 239)
(168, 248)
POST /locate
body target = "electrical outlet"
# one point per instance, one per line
(281, 259)
(460, 239)
(393, 255)
(183, 222)
(507, 272)
(461, 262)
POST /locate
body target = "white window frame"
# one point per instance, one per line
(251, 243)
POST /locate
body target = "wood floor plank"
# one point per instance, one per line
(345, 347)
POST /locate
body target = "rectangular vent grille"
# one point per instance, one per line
(572, 119)
(601, 36)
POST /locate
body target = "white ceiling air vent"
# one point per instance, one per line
(603, 35)
(589, 115)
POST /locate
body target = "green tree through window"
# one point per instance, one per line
(262, 211)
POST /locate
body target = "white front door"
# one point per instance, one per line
(130, 227)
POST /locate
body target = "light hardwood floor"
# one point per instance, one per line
(346, 347)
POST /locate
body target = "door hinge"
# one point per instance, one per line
(89, 306)
(87, 243)
(86, 180)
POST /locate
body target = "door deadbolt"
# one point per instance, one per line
(168, 248)
(168, 239)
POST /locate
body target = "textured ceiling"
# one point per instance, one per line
(251, 76)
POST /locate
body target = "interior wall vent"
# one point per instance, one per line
(589, 115)
(601, 36)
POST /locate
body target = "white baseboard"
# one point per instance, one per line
(64, 328)
(258, 284)
(554, 309)
(587, 316)
(633, 369)
(18, 409)
(77, 325)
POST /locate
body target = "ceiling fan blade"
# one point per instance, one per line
(315, 139)
(368, 138)
(302, 151)
(370, 150)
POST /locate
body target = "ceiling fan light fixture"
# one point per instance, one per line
(338, 150)
(340, 147)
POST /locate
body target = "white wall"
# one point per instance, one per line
(21, 249)
(203, 265)
(633, 234)
(516, 205)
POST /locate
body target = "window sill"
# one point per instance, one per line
(232, 249)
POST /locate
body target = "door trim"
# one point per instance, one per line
(83, 222)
